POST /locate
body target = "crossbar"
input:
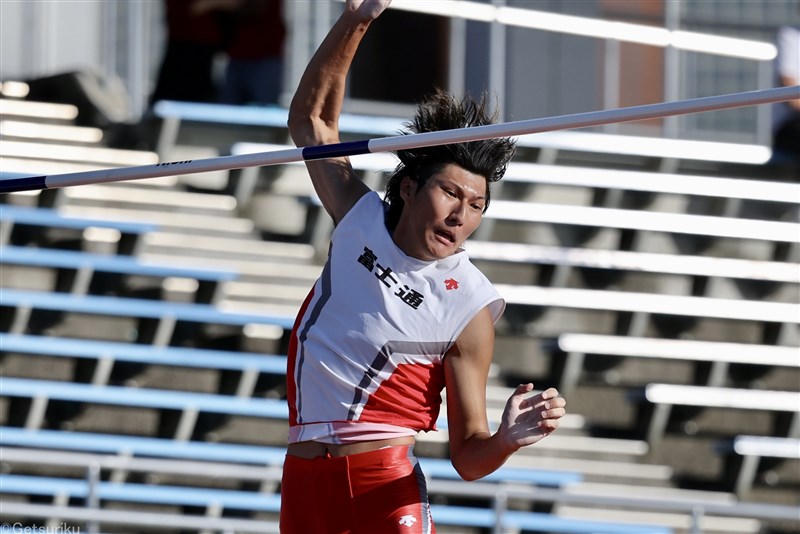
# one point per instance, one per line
(403, 142)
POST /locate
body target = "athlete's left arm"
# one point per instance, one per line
(474, 451)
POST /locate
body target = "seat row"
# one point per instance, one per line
(654, 400)
(158, 318)
(120, 455)
(779, 318)
(575, 224)
(757, 276)
(248, 501)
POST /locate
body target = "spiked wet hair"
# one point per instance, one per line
(441, 111)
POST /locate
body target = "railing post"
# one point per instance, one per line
(500, 506)
(136, 73)
(697, 516)
(92, 497)
(764, 113)
(498, 72)
(673, 75)
(612, 63)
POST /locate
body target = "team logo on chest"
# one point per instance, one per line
(451, 284)
(388, 278)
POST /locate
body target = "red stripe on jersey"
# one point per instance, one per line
(410, 397)
(291, 386)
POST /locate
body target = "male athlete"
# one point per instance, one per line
(398, 314)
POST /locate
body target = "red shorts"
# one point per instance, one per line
(378, 491)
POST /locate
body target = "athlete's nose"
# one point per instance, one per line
(458, 213)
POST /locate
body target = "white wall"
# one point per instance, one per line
(41, 38)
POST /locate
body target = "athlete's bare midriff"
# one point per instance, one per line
(313, 449)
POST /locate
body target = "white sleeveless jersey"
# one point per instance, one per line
(366, 353)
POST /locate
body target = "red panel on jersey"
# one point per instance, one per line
(411, 397)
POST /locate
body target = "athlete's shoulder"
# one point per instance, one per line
(368, 210)
(369, 203)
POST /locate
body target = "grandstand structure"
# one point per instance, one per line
(144, 328)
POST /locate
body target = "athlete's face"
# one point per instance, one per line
(438, 218)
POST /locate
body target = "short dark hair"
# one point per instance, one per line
(441, 111)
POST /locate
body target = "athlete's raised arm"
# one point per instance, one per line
(317, 104)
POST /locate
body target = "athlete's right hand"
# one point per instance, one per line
(367, 10)
(529, 419)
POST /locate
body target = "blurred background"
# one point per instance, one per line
(561, 57)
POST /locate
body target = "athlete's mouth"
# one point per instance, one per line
(444, 234)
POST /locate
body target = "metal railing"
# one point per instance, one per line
(498, 494)
(670, 38)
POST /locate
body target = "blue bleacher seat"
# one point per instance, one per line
(141, 446)
(142, 493)
(200, 313)
(162, 315)
(535, 522)
(179, 410)
(130, 231)
(69, 263)
(99, 362)
(177, 356)
(144, 398)
(102, 262)
(239, 453)
(442, 468)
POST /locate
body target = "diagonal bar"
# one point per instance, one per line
(402, 142)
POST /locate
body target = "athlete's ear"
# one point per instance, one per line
(407, 188)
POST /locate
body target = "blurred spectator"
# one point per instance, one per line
(786, 123)
(254, 73)
(194, 37)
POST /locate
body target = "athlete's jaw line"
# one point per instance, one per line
(439, 217)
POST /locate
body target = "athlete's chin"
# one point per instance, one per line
(442, 251)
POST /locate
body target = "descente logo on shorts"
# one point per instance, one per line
(408, 520)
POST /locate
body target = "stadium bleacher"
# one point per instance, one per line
(258, 502)
(597, 475)
(576, 347)
(157, 319)
(51, 133)
(45, 218)
(661, 398)
(38, 112)
(76, 270)
(746, 452)
(249, 365)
